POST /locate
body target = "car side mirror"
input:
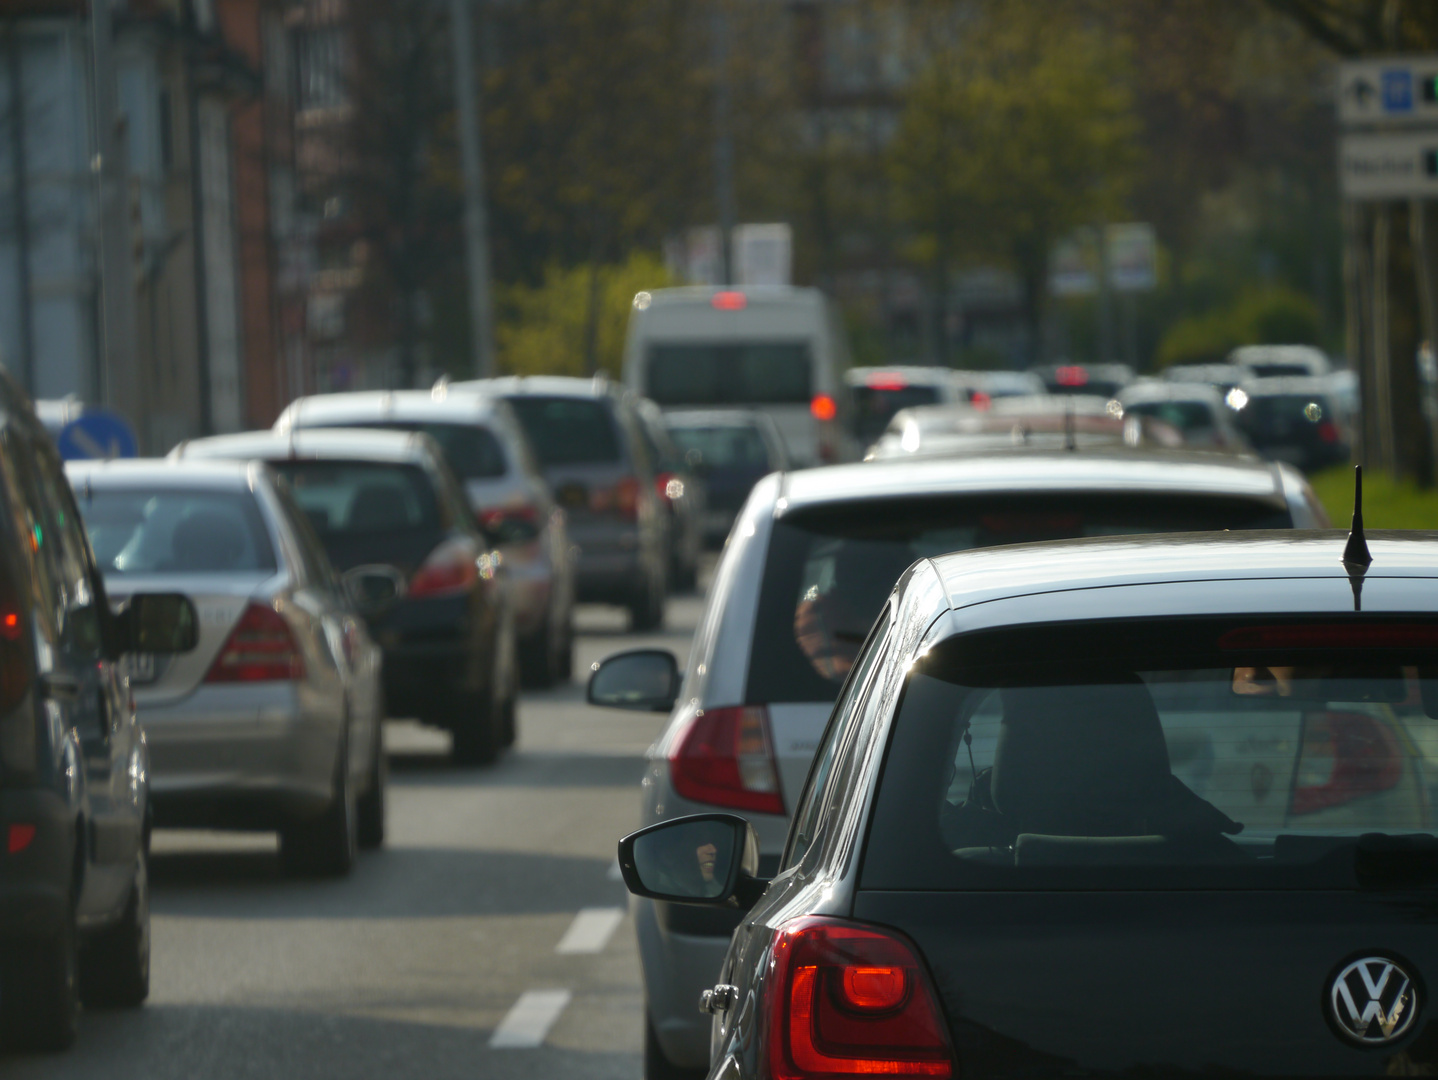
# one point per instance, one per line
(641, 679)
(373, 589)
(158, 623)
(710, 859)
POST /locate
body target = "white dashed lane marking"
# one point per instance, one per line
(590, 931)
(529, 1021)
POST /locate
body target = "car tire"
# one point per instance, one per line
(40, 991)
(474, 729)
(115, 965)
(370, 808)
(325, 846)
(646, 609)
(538, 659)
(686, 575)
(659, 1067)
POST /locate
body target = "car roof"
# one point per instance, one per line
(440, 404)
(349, 444)
(1225, 564)
(692, 294)
(913, 373)
(714, 418)
(163, 473)
(540, 385)
(1154, 390)
(1101, 470)
(1288, 384)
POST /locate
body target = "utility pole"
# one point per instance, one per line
(476, 218)
(117, 370)
(723, 143)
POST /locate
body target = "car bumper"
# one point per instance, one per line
(35, 883)
(531, 584)
(677, 968)
(242, 756)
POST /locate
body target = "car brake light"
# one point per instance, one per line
(19, 838)
(1345, 756)
(622, 498)
(1071, 375)
(887, 382)
(450, 569)
(823, 407)
(669, 486)
(726, 758)
(261, 648)
(851, 1000)
(511, 524)
(1328, 431)
(730, 300)
(1332, 636)
(980, 400)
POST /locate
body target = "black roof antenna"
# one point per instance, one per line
(1356, 558)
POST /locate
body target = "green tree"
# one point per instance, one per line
(546, 329)
(1018, 133)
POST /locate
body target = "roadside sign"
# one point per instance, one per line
(1388, 166)
(1400, 91)
(1132, 257)
(97, 435)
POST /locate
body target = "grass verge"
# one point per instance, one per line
(1387, 503)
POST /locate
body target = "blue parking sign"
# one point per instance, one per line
(1398, 91)
(95, 436)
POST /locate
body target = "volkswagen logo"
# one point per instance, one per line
(1373, 1001)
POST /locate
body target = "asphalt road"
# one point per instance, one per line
(489, 938)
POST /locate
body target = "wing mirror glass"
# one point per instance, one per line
(158, 623)
(642, 679)
(373, 589)
(704, 859)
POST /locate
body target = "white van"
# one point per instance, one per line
(775, 349)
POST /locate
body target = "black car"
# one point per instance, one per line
(395, 522)
(1110, 807)
(732, 450)
(74, 792)
(1292, 420)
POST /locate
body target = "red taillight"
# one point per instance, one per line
(1332, 636)
(1345, 756)
(669, 486)
(450, 569)
(851, 1000)
(622, 498)
(19, 838)
(730, 300)
(511, 524)
(726, 758)
(980, 400)
(1328, 431)
(1071, 375)
(823, 407)
(887, 382)
(261, 648)
(10, 626)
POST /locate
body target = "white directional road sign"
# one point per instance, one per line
(1400, 165)
(1394, 91)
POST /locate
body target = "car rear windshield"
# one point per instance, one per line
(1278, 369)
(347, 498)
(1171, 754)
(1186, 416)
(1285, 415)
(730, 446)
(176, 531)
(568, 431)
(829, 570)
(875, 406)
(757, 373)
(472, 452)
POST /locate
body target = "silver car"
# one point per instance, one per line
(808, 565)
(274, 720)
(490, 455)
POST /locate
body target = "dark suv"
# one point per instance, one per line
(586, 434)
(74, 795)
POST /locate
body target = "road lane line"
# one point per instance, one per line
(590, 931)
(529, 1021)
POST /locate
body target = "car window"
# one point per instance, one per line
(1174, 755)
(808, 816)
(829, 570)
(1186, 416)
(82, 632)
(876, 404)
(729, 446)
(568, 431)
(176, 531)
(471, 450)
(343, 498)
(760, 373)
(316, 565)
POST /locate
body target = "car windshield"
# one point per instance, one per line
(874, 406)
(829, 570)
(1186, 416)
(731, 446)
(472, 451)
(175, 531)
(757, 373)
(568, 431)
(1182, 754)
(345, 498)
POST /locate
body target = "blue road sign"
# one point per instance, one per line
(97, 435)
(1398, 90)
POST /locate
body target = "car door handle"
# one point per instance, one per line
(60, 685)
(719, 999)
